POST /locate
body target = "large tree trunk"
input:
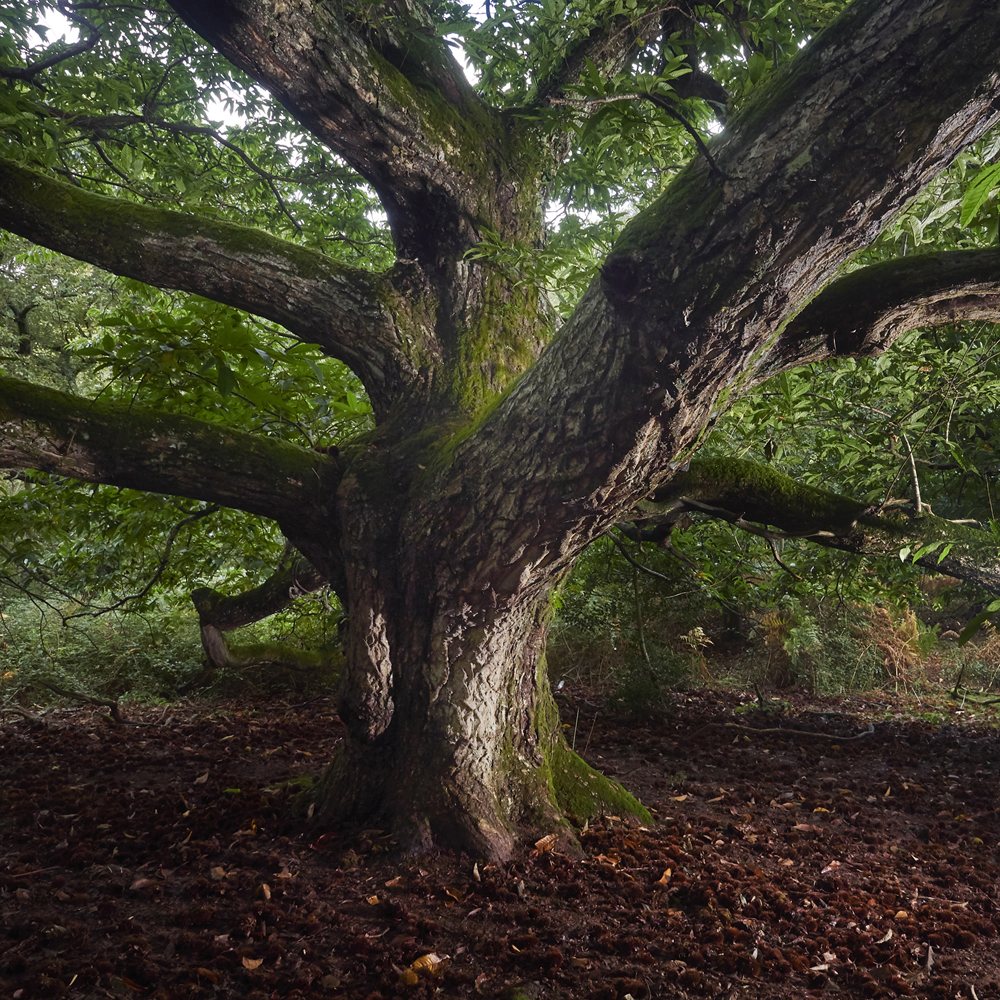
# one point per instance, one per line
(453, 734)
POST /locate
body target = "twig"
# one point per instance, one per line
(777, 559)
(24, 713)
(90, 700)
(29, 73)
(783, 732)
(639, 565)
(917, 502)
(164, 559)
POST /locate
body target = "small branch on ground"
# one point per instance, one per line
(778, 731)
(112, 706)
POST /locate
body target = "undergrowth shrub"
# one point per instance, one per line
(149, 656)
(133, 657)
(840, 648)
(976, 665)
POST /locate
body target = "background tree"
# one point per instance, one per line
(505, 438)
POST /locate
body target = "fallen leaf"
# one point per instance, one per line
(371, 900)
(678, 798)
(430, 963)
(217, 874)
(201, 779)
(142, 883)
(888, 937)
(210, 974)
(252, 963)
(395, 883)
(547, 843)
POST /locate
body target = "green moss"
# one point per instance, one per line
(757, 492)
(112, 225)
(153, 450)
(582, 791)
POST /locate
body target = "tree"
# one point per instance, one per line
(505, 438)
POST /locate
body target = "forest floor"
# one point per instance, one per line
(793, 854)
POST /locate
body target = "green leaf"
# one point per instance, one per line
(227, 380)
(977, 623)
(978, 191)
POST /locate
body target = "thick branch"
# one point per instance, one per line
(218, 613)
(862, 313)
(309, 294)
(293, 578)
(102, 442)
(700, 282)
(744, 492)
(374, 83)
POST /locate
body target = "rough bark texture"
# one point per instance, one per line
(503, 449)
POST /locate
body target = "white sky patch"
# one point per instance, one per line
(59, 27)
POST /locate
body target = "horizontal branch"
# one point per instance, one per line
(293, 578)
(742, 492)
(310, 295)
(102, 442)
(217, 613)
(863, 312)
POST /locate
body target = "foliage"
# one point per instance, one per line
(128, 657)
(151, 655)
(153, 114)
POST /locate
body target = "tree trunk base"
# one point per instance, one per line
(444, 811)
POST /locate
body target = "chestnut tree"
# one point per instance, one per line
(528, 389)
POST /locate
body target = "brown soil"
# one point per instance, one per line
(158, 861)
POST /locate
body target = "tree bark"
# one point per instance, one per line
(454, 736)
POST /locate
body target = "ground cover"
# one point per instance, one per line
(835, 848)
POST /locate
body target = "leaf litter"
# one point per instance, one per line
(778, 866)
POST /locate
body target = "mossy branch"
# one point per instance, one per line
(759, 498)
(106, 442)
(293, 577)
(318, 299)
